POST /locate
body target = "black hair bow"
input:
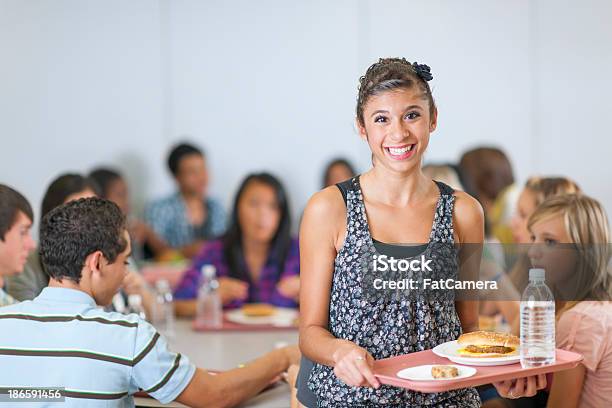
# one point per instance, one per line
(423, 71)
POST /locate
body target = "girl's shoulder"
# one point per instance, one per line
(326, 204)
(597, 310)
(586, 328)
(466, 203)
(588, 318)
(468, 218)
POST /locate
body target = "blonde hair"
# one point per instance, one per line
(587, 225)
(544, 187)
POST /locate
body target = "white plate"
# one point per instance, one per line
(423, 373)
(282, 317)
(449, 350)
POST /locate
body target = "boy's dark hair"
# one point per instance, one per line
(64, 186)
(11, 202)
(71, 232)
(104, 177)
(178, 152)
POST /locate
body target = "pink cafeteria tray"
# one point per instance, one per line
(386, 370)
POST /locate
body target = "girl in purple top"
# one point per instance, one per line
(256, 260)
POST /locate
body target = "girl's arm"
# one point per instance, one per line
(567, 387)
(468, 220)
(322, 231)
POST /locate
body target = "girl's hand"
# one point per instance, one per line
(353, 365)
(232, 289)
(289, 287)
(521, 387)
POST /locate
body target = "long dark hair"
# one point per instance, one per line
(64, 186)
(232, 240)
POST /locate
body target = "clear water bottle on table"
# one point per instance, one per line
(163, 310)
(537, 322)
(209, 311)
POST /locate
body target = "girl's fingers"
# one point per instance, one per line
(519, 388)
(344, 372)
(365, 367)
(531, 386)
(541, 381)
(355, 373)
(503, 387)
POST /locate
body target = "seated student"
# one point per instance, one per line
(188, 217)
(101, 358)
(30, 283)
(535, 191)
(256, 260)
(337, 171)
(66, 187)
(571, 242)
(15, 239)
(113, 187)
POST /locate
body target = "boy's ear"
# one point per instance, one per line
(93, 262)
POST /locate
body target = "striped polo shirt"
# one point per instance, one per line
(62, 339)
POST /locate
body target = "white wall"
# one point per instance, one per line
(80, 86)
(573, 61)
(272, 85)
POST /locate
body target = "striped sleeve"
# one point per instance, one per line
(158, 371)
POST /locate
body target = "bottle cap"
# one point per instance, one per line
(209, 271)
(537, 274)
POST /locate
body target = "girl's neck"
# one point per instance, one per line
(396, 189)
(254, 247)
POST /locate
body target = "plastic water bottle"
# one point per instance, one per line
(163, 310)
(209, 311)
(135, 306)
(537, 322)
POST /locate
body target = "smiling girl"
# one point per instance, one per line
(392, 209)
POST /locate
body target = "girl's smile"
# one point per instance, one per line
(402, 152)
(397, 125)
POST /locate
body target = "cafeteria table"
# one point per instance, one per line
(226, 350)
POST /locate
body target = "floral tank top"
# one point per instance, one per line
(387, 326)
